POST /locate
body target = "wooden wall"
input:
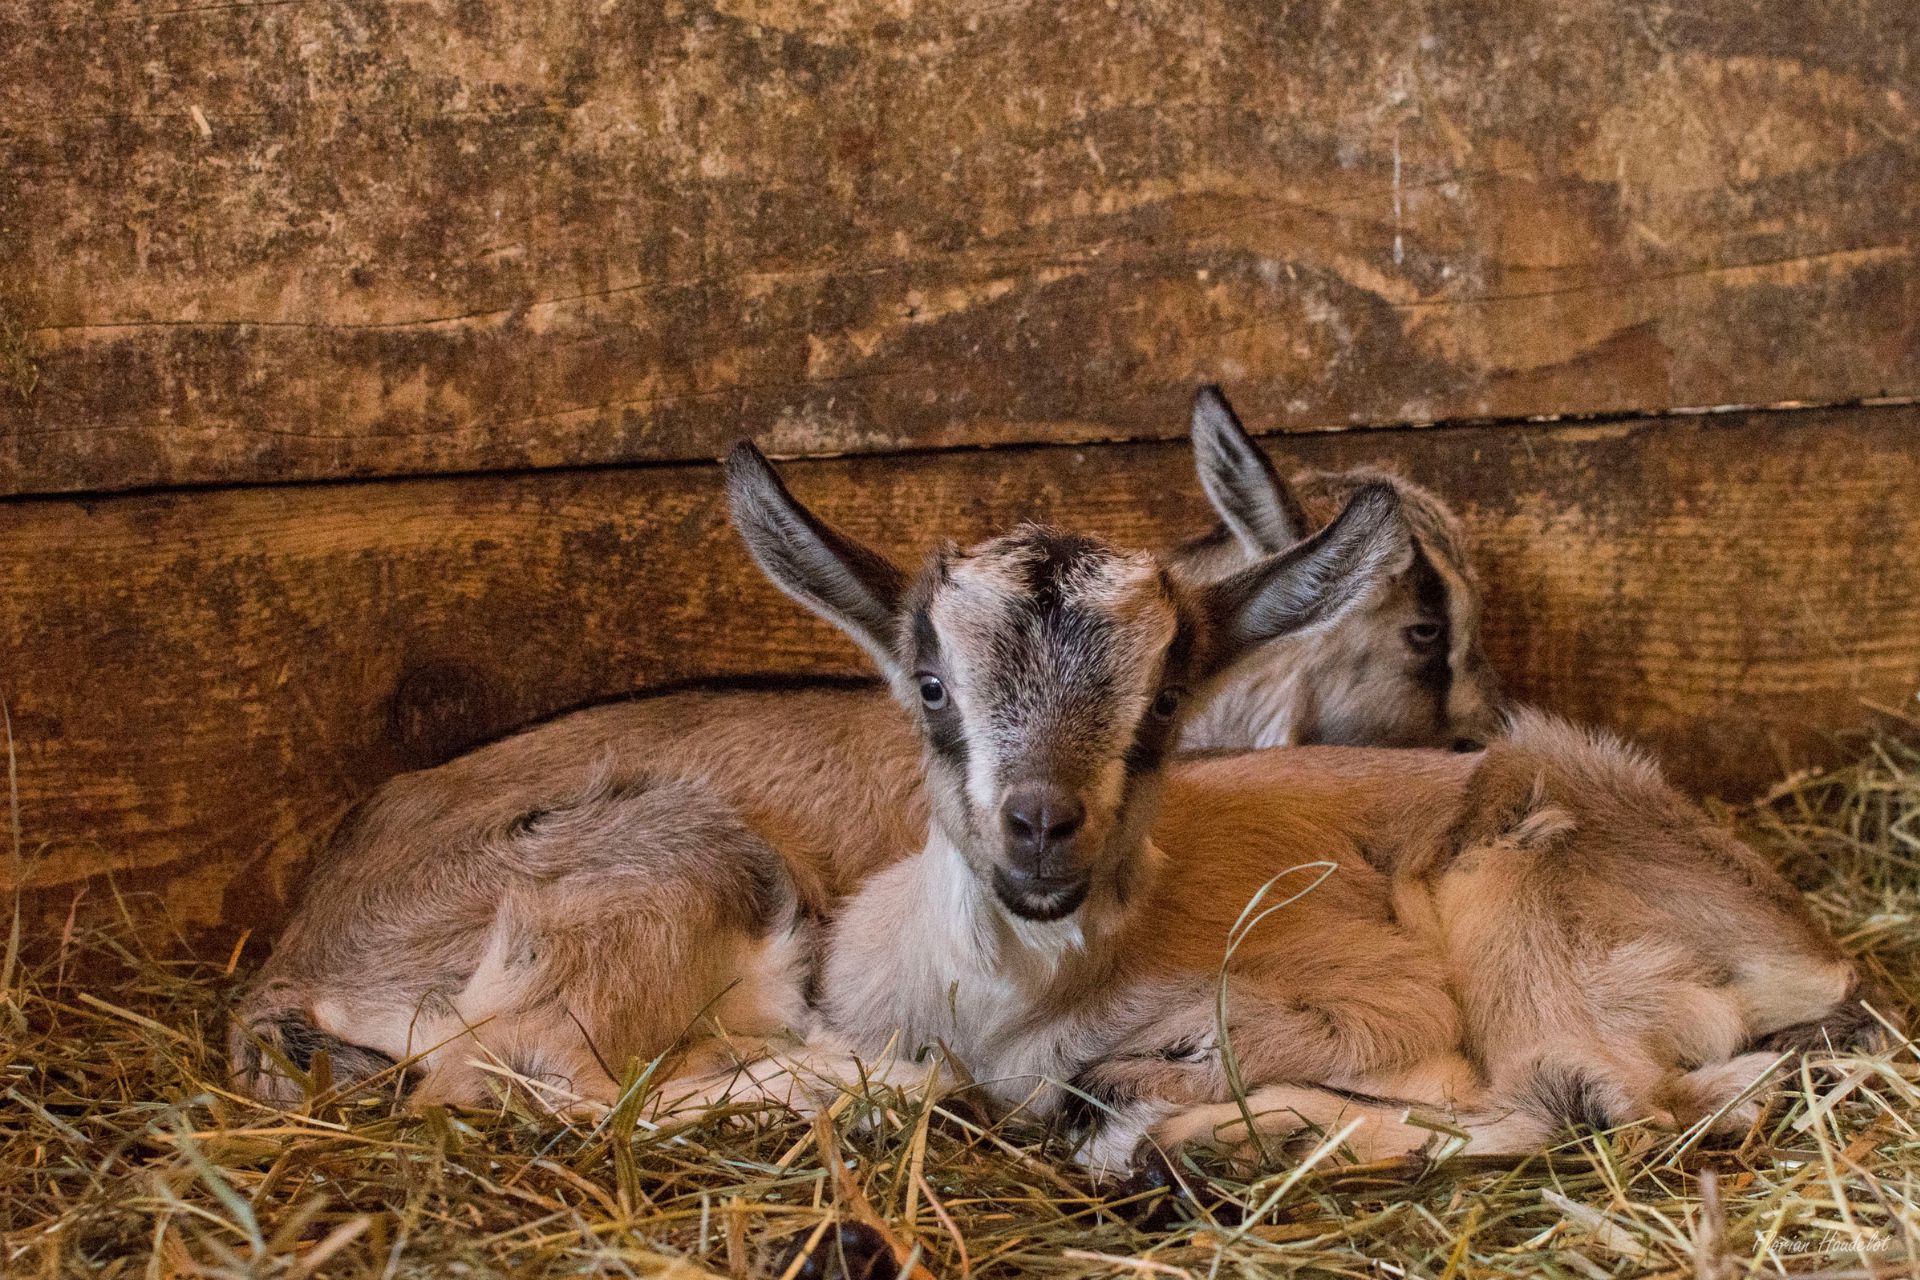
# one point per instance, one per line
(361, 360)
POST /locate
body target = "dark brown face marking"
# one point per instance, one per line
(946, 732)
(1060, 554)
(1435, 672)
(1847, 1026)
(926, 641)
(1052, 679)
(1153, 735)
(300, 1042)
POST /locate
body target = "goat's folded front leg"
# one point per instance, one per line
(1318, 1029)
(1399, 1114)
(805, 1078)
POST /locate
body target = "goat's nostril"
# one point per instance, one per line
(1043, 814)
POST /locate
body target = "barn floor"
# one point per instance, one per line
(122, 1155)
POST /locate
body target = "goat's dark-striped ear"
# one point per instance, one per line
(1313, 584)
(849, 584)
(1259, 507)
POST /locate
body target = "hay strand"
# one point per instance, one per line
(123, 1153)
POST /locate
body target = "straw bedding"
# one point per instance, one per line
(122, 1153)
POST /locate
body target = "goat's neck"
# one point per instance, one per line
(1259, 705)
(925, 954)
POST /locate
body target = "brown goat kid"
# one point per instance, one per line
(1406, 670)
(1541, 933)
(556, 917)
(826, 777)
(1614, 955)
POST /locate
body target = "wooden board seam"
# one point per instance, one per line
(1385, 429)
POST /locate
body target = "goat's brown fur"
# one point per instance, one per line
(582, 896)
(1542, 932)
(1612, 954)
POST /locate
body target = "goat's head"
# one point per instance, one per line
(1049, 672)
(1405, 669)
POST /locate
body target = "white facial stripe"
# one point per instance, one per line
(966, 612)
(1090, 686)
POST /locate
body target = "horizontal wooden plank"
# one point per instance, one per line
(200, 682)
(272, 241)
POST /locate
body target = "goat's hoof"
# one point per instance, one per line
(1154, 1189)
(851, 1251)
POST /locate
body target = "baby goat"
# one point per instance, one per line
(567, 920)
(825, 776)
(1407, 671)
(1616, 956)
(1626, 998)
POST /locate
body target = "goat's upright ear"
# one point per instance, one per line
(1313, 584)
(850, 585)
(1259, 508)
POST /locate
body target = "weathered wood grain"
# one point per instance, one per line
(282, 240)
(200, 683)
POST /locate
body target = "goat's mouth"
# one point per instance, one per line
(1040, 898)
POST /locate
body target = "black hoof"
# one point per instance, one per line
(1153, 1191)
(851, 1251)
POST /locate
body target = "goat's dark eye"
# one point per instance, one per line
(1424, 635)
(933, 694)
(1166, 703)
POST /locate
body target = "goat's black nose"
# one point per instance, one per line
(1042, 814)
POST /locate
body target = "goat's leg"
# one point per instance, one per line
(1383, 1110)
(804, 1078)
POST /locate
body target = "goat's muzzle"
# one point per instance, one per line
(1041, 877)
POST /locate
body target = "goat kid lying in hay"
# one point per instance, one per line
(121, 1154)
(1537, 933)
(633, 906)
(772, 762)
(713, 779)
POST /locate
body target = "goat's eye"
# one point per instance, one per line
(933, 694)
(1166, 703)
(1424, 635)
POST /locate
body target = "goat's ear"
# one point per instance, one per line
(1259, 508)
(850, 585)
(1313, 584)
